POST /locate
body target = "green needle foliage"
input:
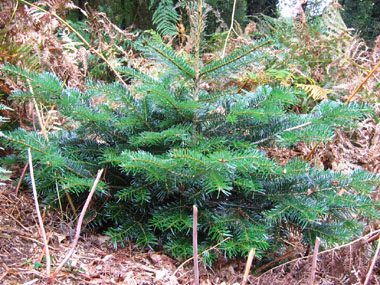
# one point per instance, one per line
(3, 120)
(169, 143)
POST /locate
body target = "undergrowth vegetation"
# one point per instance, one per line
(189, 130)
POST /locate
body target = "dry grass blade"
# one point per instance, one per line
(42, 229)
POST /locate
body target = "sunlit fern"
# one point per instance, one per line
(314, 91)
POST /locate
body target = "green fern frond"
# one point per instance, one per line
(165, 18)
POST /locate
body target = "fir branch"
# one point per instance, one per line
(116, 89)
(171, 57)
(219, 64)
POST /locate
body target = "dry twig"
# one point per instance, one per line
(368, 277)
(42, 229)
(363, 82)
(314, 264)
(248, 265)
(231, 28)
(21, 178)
(366, 237)
(195, 245)
(81, 38)
(78, 229)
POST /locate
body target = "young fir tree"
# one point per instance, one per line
(171, 143)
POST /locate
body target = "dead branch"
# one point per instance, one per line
(371, 234)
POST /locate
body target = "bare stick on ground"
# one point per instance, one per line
(78, 229)
(195, 244)
(314, 265)
(369, 274)
(42, 229)
(248, 265)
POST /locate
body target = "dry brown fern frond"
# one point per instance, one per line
(39, 30)
(352, 66)
(316, 92)
(355, 150)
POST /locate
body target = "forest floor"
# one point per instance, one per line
(95, 261)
